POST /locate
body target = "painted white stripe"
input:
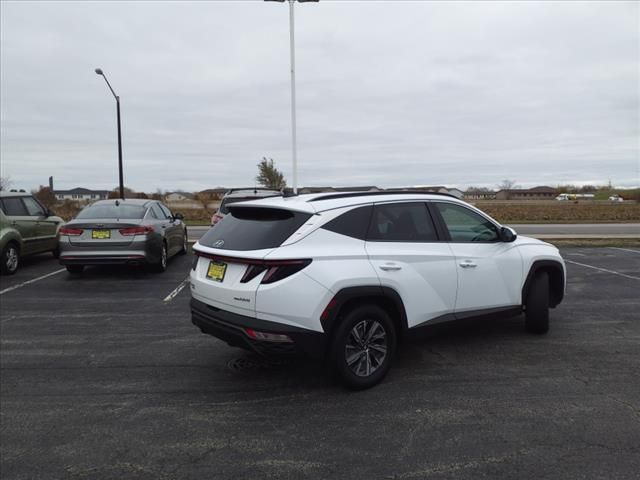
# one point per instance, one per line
(177, 290)
(625, 249)
(23, 284)
(603, 270)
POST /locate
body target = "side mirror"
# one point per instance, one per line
(178, 216)
(48, 213)
(508, 234)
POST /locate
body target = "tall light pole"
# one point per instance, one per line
(101, 73)
(294, 147)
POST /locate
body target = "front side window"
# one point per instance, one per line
(465, 225)
(402, 222)
(33, 207)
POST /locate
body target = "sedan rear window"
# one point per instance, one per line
(247, 228)
(113, 211)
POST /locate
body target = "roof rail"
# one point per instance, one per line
(336, 196)
(255, 189)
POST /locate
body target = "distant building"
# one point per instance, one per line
(79, 194)
(178, 197)
(473, 194)
(535, 193)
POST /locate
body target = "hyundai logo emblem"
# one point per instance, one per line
(218, 243)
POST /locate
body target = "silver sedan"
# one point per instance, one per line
(129, 231)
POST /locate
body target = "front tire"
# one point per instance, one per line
(9, 259)
(537, 311)
(185, 244)
(363, 346)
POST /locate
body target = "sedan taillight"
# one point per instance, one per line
(70, 231)
(126, 232)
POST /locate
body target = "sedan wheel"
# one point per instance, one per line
(161, 266)
(185, 244)
(10, 259)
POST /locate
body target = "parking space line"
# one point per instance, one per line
(23, 284)
(177, 290)
(603, 270)
(625, 249)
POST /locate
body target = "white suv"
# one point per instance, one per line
(346, 276)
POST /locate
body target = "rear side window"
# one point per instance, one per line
(253, 228)
(465, 225)
(402, 222)
(13, 207)
(353, 223)
(112, 211)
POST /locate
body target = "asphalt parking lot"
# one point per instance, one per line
(104, 376)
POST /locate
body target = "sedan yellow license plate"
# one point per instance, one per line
(100, 234)
(216, 270)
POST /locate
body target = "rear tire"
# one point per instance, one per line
(537, 303)
(10, 259)
(75, 269)
(185, 244)
(56, 252)
(161, 266)
(363, 346)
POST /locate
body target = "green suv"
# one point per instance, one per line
(26, 227)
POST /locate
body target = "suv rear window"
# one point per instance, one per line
(113, 211)
(247, 228)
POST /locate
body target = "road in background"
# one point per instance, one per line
(548, 230)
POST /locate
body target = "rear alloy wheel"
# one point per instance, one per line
(10, 259)
(537, 303)
(75, 269)
(161, 266)
(363, 346)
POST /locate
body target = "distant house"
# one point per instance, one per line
(79, 194)
(178, 197)
(535, 193)
(473, 194)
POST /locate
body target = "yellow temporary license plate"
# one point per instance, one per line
(100, 234)
(216, 270)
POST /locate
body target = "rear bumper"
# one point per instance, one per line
(103, 259)
(230, 327)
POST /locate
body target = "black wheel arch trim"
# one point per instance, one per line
(371, 292)
(556, 280)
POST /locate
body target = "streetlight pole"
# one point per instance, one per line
(101, 73)
(292, 49)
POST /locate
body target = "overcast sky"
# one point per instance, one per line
(390, 93)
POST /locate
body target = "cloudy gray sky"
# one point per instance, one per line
(390, 93)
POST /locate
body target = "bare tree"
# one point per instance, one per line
(45, 196)
(269, 176)
(507, 184)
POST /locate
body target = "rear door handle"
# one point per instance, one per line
(468, 264)
(390, 267)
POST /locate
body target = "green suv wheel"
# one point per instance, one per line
(10, 259)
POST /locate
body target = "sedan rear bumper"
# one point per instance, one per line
(91, 258)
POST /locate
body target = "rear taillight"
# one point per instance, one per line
(135, 231)
(275, 269)
(278, 270)
(70, 231)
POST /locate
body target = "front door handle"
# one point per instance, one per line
(390, 267)
(468, 264)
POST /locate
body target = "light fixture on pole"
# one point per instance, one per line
(101, 73)
(294, 152)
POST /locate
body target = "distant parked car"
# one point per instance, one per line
(241, 195)
(616, 198)
(26, 228)
(130, 231)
